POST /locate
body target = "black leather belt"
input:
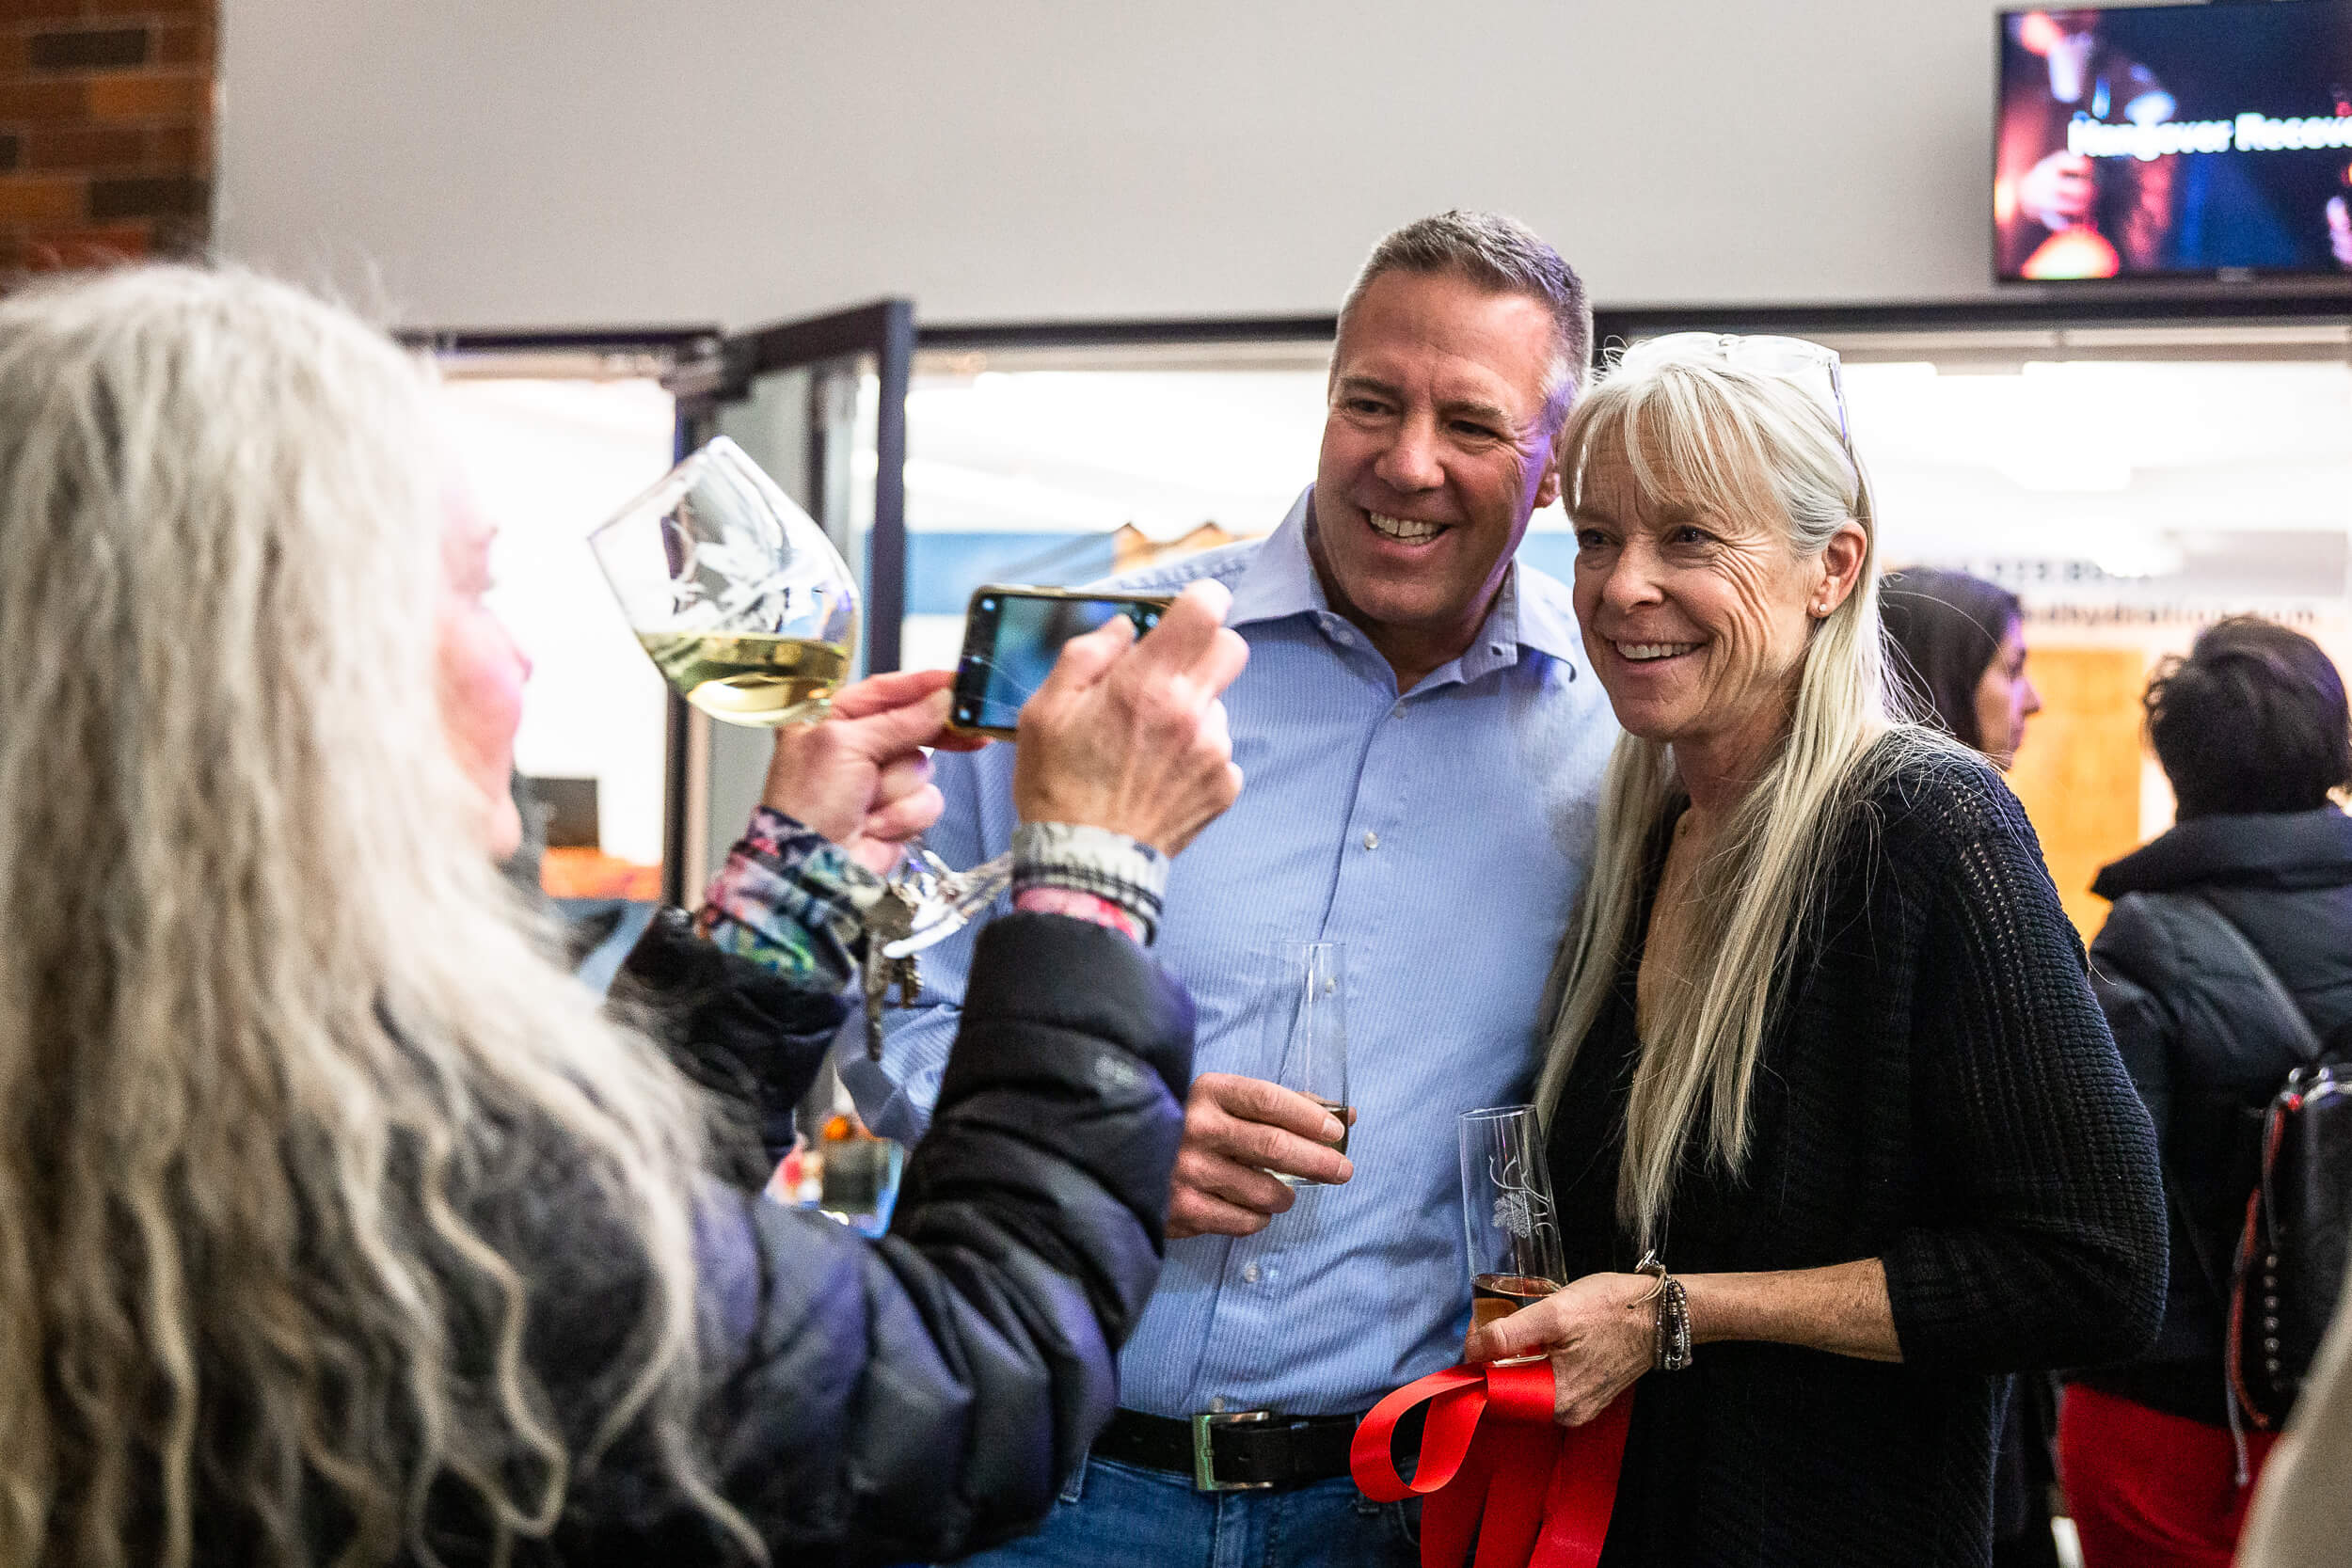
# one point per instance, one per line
(1234, 1451)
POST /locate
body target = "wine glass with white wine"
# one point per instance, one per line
(732, 591)
(750, 613)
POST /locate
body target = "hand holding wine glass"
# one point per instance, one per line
(1238, 1133)
(1510, 1229)
(1598, 1332)
(750, 613)
(1250, 1142)
(861, 778)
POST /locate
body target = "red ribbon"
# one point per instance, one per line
(1498, 1473)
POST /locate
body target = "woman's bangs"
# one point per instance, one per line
(1686, 444)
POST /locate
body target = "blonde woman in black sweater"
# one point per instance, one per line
(1824, 1044)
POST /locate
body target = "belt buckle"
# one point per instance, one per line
(1203, 1464)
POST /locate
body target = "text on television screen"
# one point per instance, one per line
(2174, 140)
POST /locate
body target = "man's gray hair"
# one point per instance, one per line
(1497, 253)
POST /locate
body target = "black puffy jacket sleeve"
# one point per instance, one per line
(922, 1396)
(752, 1038)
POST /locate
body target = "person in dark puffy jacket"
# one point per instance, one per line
(2252, 731)
(338, 1223)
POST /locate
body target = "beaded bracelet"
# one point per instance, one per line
(1670, 1328)
(1673, 1352)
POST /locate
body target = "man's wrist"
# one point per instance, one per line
(1103, 866)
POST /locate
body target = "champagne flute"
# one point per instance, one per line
(748, 610)
(734, 592)
(1507, 1216)
(1308, 1030)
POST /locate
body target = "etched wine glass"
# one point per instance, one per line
(1507, 1216)
(734, 591)
(751, 614)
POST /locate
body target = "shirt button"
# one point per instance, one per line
(1372, 841)
(1217, 1403)
(1397, 712)
(1250, 1275)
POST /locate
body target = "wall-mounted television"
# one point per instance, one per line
(2174, 141)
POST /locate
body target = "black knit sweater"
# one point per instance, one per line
(1938, 1090)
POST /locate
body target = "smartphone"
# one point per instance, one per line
(1012, 635)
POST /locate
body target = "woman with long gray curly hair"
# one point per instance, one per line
(337, 1223)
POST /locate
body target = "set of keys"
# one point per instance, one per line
(889, 921)
(925, 903)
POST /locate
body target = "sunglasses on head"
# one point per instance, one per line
(1807, 365)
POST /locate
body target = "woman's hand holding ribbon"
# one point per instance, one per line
(1600, 1333)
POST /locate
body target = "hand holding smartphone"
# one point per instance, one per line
(1130, 735)
(1012, 637)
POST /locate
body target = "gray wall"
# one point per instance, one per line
(542, 161)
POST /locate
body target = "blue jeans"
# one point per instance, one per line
(1114, 1515)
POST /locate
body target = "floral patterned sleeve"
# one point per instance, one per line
(789, 900)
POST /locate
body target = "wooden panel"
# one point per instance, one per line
(2078, 772)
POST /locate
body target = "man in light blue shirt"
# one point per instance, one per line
(1422, 752)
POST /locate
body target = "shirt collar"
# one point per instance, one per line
(1543, 616)
(1532, 612)
(1280, 580)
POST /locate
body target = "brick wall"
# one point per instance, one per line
(105, 130)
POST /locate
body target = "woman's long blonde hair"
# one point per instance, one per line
(1695, 429)
(274, 1040)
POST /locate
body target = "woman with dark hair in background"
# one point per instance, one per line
(1960, 642)
(2253, 732)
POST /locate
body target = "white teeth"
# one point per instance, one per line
(1404, 530)
(1643, 651)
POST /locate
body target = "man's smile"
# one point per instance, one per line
(1404, 530)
